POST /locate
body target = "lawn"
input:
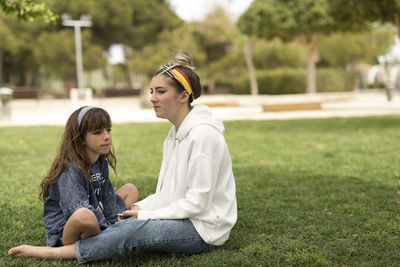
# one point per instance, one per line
(317, 192)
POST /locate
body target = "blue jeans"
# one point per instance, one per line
(172, 236)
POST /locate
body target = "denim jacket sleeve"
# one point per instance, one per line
(74, 194)
(113, 203)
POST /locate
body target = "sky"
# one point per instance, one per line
(196, 10)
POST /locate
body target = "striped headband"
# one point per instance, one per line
(178, 75)
(82, 114)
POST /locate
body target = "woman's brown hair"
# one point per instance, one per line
(184, 62)
(72, 147)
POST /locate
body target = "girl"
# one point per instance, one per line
(194, 206)
(79, 199)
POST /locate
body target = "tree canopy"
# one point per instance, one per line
(302, 20)
(27, 10)
(132, 23)
(367, 10)
(135, 24)
(355, 48)
(150, 33)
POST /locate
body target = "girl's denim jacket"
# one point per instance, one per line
(72, 191)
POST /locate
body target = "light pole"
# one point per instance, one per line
(84, 21)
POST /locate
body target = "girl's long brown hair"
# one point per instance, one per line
(72, 147)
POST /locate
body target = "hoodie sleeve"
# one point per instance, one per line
(146, 203)
(207, 150)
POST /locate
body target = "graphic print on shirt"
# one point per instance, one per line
(98, 182)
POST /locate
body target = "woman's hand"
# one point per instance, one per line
(131, 214)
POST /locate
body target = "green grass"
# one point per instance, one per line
(320, 192)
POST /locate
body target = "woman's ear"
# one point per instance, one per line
(185, 97)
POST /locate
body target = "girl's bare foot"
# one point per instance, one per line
(30, 251)
(23, 250)
(66, 252)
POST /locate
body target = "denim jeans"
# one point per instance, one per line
(172, 236)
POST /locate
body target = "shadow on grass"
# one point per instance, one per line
(297, 218)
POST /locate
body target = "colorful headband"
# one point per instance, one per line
(82, 114)
(178, 75)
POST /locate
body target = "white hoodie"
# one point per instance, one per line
(196, 179)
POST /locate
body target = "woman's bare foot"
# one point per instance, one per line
(65, 252)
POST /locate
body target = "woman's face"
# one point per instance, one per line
(165, 99)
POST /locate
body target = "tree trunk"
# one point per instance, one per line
(1, 66)
(397, 23)
(310, 43)
(211, 85)
(13, 79)
(28, 77)
(251, 69)
(128, 53)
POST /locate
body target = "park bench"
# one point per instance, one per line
(215, 104)
(113, 92)
(26, 93)
(292, 106)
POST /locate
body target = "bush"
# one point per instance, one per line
(277, 54)
(294, 81)
(335, 80)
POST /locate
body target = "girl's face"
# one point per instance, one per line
(167, 102)
(98, 142)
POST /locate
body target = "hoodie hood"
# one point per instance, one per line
(198, 115)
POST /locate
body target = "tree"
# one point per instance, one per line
(248, 57)
(58, 47)
(145, 62)
(354, 48)
(277, 54)
(302, 20)
(149, 58)
(132, 23)
(8, 42)
(218, 37)
(27, 10)
(368, 11)
(211, 44)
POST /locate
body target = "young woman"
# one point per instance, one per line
(79, 199)
(194, 206)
